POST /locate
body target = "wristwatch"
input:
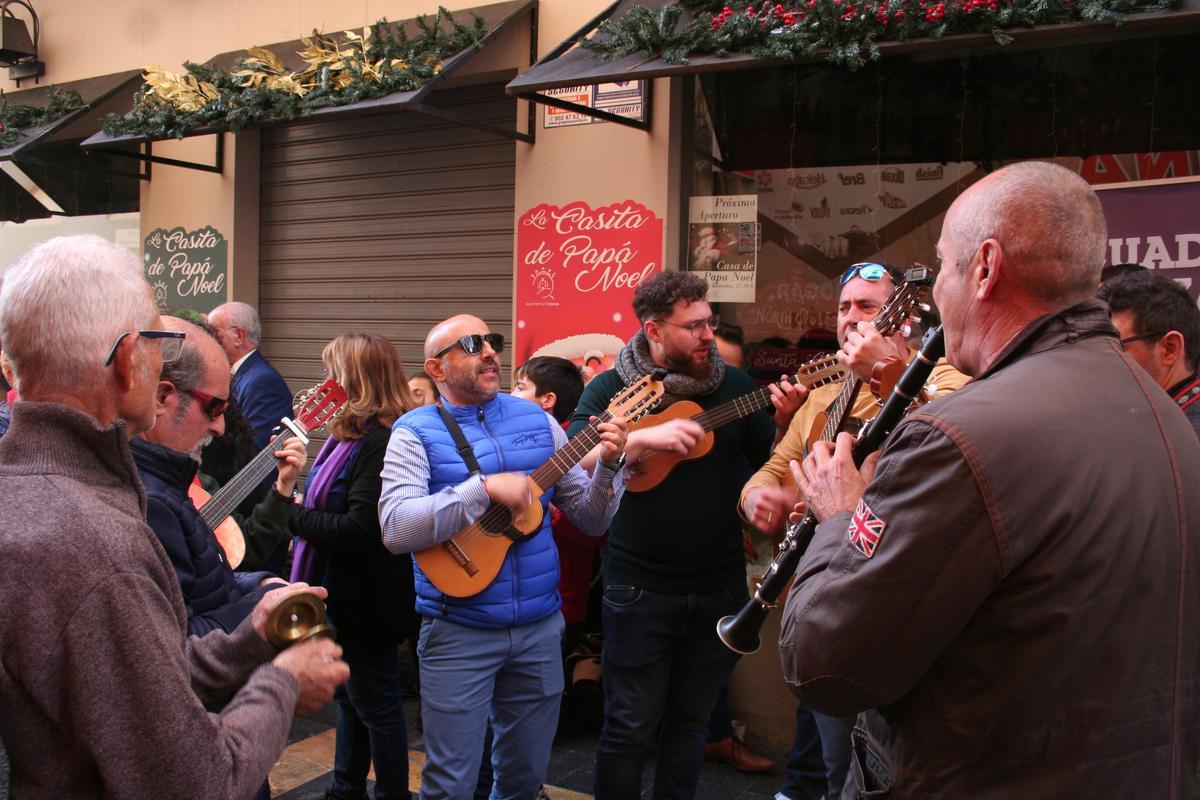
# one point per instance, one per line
(614, 466)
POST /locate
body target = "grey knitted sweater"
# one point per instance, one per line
(101, 690)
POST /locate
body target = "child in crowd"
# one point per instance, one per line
(555, 384)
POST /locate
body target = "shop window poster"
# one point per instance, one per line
(577, 270)
(187, 269)
(1155, 224)
(724, 240)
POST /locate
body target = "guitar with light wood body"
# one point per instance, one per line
(468, 562)
(654, 467)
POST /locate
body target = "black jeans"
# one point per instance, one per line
(663, 666)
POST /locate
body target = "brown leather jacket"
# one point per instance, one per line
(1028, 623)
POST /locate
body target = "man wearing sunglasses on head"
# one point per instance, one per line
(190, 403)
(494, 654)
(770, 493)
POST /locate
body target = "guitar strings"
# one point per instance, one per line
(498, 517)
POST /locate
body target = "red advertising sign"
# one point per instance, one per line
(577, 269)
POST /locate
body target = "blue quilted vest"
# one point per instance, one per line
(507, 434)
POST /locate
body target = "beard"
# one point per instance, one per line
(467, 381)
(198, 448)
(685, 361)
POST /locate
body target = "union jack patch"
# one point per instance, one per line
(865, 529)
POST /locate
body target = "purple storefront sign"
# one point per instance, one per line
(1157, 226)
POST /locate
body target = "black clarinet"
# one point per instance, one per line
(739, 632)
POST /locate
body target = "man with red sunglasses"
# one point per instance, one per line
(190, 404)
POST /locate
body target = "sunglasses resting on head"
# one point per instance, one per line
(866, 270)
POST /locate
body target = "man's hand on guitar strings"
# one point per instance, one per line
(678, 435)
(289, 461)
(509, 489)
(864, 346)
(787, 397)
(829, 479)
(613, 435)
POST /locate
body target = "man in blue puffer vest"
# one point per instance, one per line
(494, 654)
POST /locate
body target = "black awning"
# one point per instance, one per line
(496, 18)
(572, 65)
(45, 165)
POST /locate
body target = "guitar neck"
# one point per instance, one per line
(838, 411)
(571, 454)
(229, 496)
(757, 400)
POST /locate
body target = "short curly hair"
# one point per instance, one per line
(656, 297)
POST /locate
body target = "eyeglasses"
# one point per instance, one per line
(868, 271)
(170, 344)
(213, 407)
(472, 344)
(696, 329)
(1128, 340)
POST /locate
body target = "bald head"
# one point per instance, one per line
(462, 378)
(1024, 242)
(451, 329)
(1048, 222)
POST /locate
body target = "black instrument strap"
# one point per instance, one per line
(460, 441)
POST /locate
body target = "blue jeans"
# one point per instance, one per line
(835, 748)
(512, 676)
(663, 666)
(370, 725)
(805, 770)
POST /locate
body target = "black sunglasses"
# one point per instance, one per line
(472, 344)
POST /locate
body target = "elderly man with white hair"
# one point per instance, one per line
(102, 689)
(260, 390)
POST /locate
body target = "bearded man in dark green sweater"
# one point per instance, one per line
(675, 562)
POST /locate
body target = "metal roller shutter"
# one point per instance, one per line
(387, 223)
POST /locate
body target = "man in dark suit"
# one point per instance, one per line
(260, 389)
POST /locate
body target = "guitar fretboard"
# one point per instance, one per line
(226, 499)
(759, 399)
(498, 517)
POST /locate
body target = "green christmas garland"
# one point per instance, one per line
(849, 30)
(378, 62)
(16, 118)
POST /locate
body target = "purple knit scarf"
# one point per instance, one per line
(329, 464)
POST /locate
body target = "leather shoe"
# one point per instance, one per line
(733, 751)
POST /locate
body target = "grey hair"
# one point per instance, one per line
(245, 317)
(63, 305)
(1049, 224)
(187, 371)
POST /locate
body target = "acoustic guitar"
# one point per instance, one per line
(900, 307)
(467, 563)
(654, 467)
(314, 407)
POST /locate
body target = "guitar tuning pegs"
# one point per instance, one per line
(907, 329)
(924, 306)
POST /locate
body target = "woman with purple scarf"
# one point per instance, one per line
(339, 546)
